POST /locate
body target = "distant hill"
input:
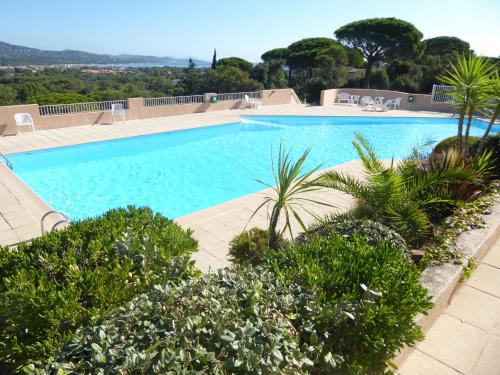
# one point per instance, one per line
(11, 54)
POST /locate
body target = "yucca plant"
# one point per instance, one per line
(470, 78)
(402, 197)
(292, 181)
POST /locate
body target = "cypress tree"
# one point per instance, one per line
(214, 59)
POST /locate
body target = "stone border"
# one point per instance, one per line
(442, 280)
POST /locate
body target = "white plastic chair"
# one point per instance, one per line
(367, 103)
(355, 99)
(253, 103)
(365, 99)
(117, 110)
(344, 98)
(24, 119)
(383, 106)
(396, 104)
(378, 100)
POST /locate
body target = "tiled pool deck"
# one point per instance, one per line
(466, 337)
(21, 210)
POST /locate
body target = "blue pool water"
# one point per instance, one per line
(181, 172)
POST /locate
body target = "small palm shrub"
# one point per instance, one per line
(405, 197)
(348, 228)
(342, 270)
(230, 322)
(248, 247)
(70, 278)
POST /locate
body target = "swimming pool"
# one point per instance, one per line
(181, 172)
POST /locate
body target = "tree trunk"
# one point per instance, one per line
(466, 138)
(460, 131)
(273, 223)
(493, 118)
(368, 73)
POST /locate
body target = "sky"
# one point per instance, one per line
(193, 28)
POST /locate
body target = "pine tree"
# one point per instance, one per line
(214, 59)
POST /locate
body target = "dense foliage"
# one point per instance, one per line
(380, 38)
(340, 270)
(231, 322)
(67, 279)
(348, 228)
(391, 50)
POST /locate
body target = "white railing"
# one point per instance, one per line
(172, 100)
(239, 95)
(441, 94)
(64, 109)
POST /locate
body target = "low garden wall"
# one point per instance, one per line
(136, 110)
(421, 102)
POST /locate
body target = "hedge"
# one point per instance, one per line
(70, 278)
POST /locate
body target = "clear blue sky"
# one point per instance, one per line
(183, 28)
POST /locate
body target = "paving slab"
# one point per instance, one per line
(455, 343)
(487, 279)
(489, 362)
(421, 364)
(475, 307)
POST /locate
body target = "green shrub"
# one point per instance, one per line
(67, 279)
(230, 322)
(337, 268)
(249, 246)
(492, 143)
(347, 228)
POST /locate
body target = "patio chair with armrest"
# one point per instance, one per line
(344, 97)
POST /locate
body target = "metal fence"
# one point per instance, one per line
(239, 95)
(172, 100)
(441, 94)
(64, 109)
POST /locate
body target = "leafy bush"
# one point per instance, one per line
(337, 268)
(67, 279)
(231, 322)
(249, 246)
(348, 228)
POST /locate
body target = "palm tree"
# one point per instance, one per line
(469, 77)
(492, 111)
(291, 183)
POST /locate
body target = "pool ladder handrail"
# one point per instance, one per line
(7, 161)
(65, 219)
